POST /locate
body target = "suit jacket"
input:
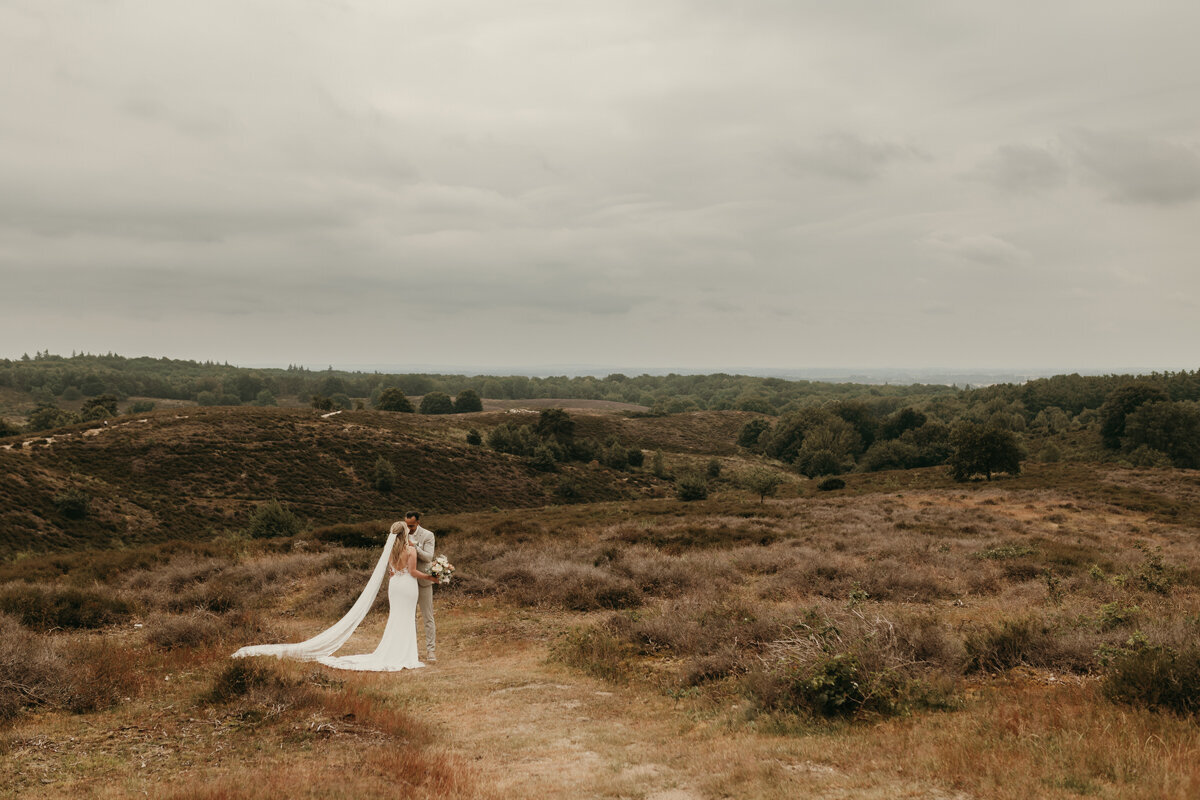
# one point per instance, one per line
(423, 541)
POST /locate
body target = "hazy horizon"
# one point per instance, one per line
(680, 183)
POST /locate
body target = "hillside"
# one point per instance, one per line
(192, 473)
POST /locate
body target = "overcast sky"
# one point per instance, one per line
(640, 183)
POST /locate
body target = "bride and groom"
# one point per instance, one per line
(405, 561)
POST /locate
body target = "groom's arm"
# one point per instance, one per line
(425, 549)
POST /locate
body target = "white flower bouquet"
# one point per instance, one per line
(441, 569)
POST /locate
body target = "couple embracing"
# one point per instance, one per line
(406, 563)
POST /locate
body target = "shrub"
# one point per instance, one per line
(595, 650)
(33, 674)
(143, 406)
(763, 481)
(1008, 644)
(473, 438)
(831, 484)
(1156, 677)
(72, 504)
(437, 403)
(692, 486)
(543, 459)
(636, 457)
(383, 475)
(393, 399)
(52, 607)
(319, 402)
(467, 401)
(569, 490)
(752, 432)
(363, 534)
(272, 519)
(8, 429)
(190, 631)
(99, 407)
(658, 465)
(713, 470)
(263, 398)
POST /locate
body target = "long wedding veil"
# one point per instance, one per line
(330, 639)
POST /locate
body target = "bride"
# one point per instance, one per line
(397, 649)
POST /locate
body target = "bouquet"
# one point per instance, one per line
(441, 569)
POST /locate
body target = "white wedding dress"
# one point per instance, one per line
(397, 649)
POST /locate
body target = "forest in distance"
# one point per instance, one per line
(819, 428)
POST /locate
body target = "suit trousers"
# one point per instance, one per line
(425, 603)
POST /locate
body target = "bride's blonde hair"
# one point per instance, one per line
(399, 557)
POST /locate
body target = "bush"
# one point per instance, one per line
(73, 504)
(568, 490)
(473, 438)
(71, 608)
(393, 399)
(467, 401)
(636, 457)
(264, 398)
(363, 534)
(437, 403)
(692, 486)
(713, 470)
(831, 484)
(272, 519)
(1156, 677)
(190, 631)
(143, 406)
(543, 459)
(8, 429)
(99, 407)
(383, 475)
(1010, 643)
(752, 432)
(597, 651)
(763, 481)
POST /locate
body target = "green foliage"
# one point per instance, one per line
(1168, 427)
(1156, 677)
(47, 417)
(467, 401)
(762, 481)
(691, 486)
(568, 490)
(713, 469)
(834, 688)
(48, 608)
(383, 475)
(143, 406)
(7, 428)
(752, 432)
(543, 459)
(99, 407)
(979, 450)
(636, 457)
(73, 504)
(71, 393)
(322, 403)
(1120, 404)
(393, 399)
(556, 424)
(437, 403)
(658, 465)
(759, 405)
(831, 484)
(341, 402)
(473, 438)
(272, 519)
(517, 440)
(906, 419)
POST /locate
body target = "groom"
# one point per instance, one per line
(423, 541)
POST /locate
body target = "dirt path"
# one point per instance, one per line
(536, 729)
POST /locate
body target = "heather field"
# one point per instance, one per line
(905, 636)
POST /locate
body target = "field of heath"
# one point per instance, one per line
(904, 636)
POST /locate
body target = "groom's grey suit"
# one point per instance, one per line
(423, 541)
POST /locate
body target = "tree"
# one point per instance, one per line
(383, 475)
(983, 451)
(691, 486)
(437, 403)
(100, 407)
(473, 437)
(763, 481)
(319, 402)
(1120, 404)
(272, 519)
(556, 424)
(1170, 428)
(467, 401)
(43, 418)
(393, 399)
(906, 419)
(752, 432)
(264, 398)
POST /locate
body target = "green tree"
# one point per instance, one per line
(752, 432)
(763, 481)
(272, 519)
(322, 403)
(383, 475)
(99, 407)
(906, 419)
(692, 486)
(264, 398)
(394, 399)
(473, 437)
(437, 403)
(979, 450)
(556, 424)
(1122, 402)
(1170, 428)
(467, 401)
(45, 417)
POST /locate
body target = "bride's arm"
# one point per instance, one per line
(412, 566)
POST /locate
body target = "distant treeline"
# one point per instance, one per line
(49, 377)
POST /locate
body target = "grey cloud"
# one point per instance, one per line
(849, 157)
(1022, 169)
(992, 251)
(1135, 168)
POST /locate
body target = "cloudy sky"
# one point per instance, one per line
(637, 183)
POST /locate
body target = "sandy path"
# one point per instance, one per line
(534, 728)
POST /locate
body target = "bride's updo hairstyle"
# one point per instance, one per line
(397, 527)
(398, 558)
